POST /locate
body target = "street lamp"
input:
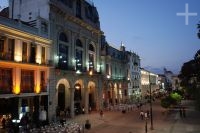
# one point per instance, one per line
(151, 114)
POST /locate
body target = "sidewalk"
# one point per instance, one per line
(189, 124)
(171, 123)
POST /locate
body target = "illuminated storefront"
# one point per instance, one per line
(24, 70)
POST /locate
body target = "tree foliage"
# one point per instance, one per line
(190, 75)
(173, 99)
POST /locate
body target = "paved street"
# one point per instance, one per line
(116, 122)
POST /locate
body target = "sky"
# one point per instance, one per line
(152, 29)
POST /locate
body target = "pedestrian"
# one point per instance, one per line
(141, 115)
(184, 114)
(148, 113)
(180, 112)
(90, 109)
(145, 115)
(3, 121)
(101, 113)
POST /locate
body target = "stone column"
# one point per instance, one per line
(100, 93)
(118, 96)
(113, 96)
(72, 102)
(86, 102)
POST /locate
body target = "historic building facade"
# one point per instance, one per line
(149, 81)
(74, 28)
(134, 76)
(115, 74)
(24, 69)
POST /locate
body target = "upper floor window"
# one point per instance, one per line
(91, 61)
(27, 81)
(33, 53)
(63, 51)
(1, 48)
(10, 52)
(42, 81)
(63, 37)
(43, 55)
(1, 45)
(91, 48)
(79, 54)
(24, 52)
(79, 43)
(78, 9)
(91, 57)
(5, 80)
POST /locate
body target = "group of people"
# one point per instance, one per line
(145, 115)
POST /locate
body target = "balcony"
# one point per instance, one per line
(6, 56)
(43, 88)
(6, 91)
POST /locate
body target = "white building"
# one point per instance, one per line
(149, 81)
(134, 75)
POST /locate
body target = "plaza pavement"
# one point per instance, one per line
(117, 122)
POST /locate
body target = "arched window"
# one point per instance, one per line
(79, 55)
(79, 43)
(91, 48)
(91, 57)
(63, 37)
(63, 51)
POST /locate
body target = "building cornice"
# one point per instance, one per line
(9, 31)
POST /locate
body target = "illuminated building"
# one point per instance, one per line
(148, 79)
(74, 28)
(115, 71)
(24, 68)
(134, 86)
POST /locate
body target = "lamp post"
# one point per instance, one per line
(151, 114)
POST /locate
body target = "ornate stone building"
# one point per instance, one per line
(134, 75)
(115, 74)
(74, 28)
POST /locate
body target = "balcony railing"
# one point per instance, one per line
(6, 56)
(6, 91)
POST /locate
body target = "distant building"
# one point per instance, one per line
(134, 75)
(176, 82)
(161, 81)
(115, 71)
(148, 79)
(168, 79)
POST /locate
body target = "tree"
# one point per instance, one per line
(190, 77)
(171, 100)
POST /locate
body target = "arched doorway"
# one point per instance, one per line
(77, 99)
(61, 96)
(92, 97)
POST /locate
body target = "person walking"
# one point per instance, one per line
(184, 114)
(180, 112)
(101, 113)
(141, 115)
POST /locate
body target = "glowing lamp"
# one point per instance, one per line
(91, 72)
(37, 89)
(16, 90)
